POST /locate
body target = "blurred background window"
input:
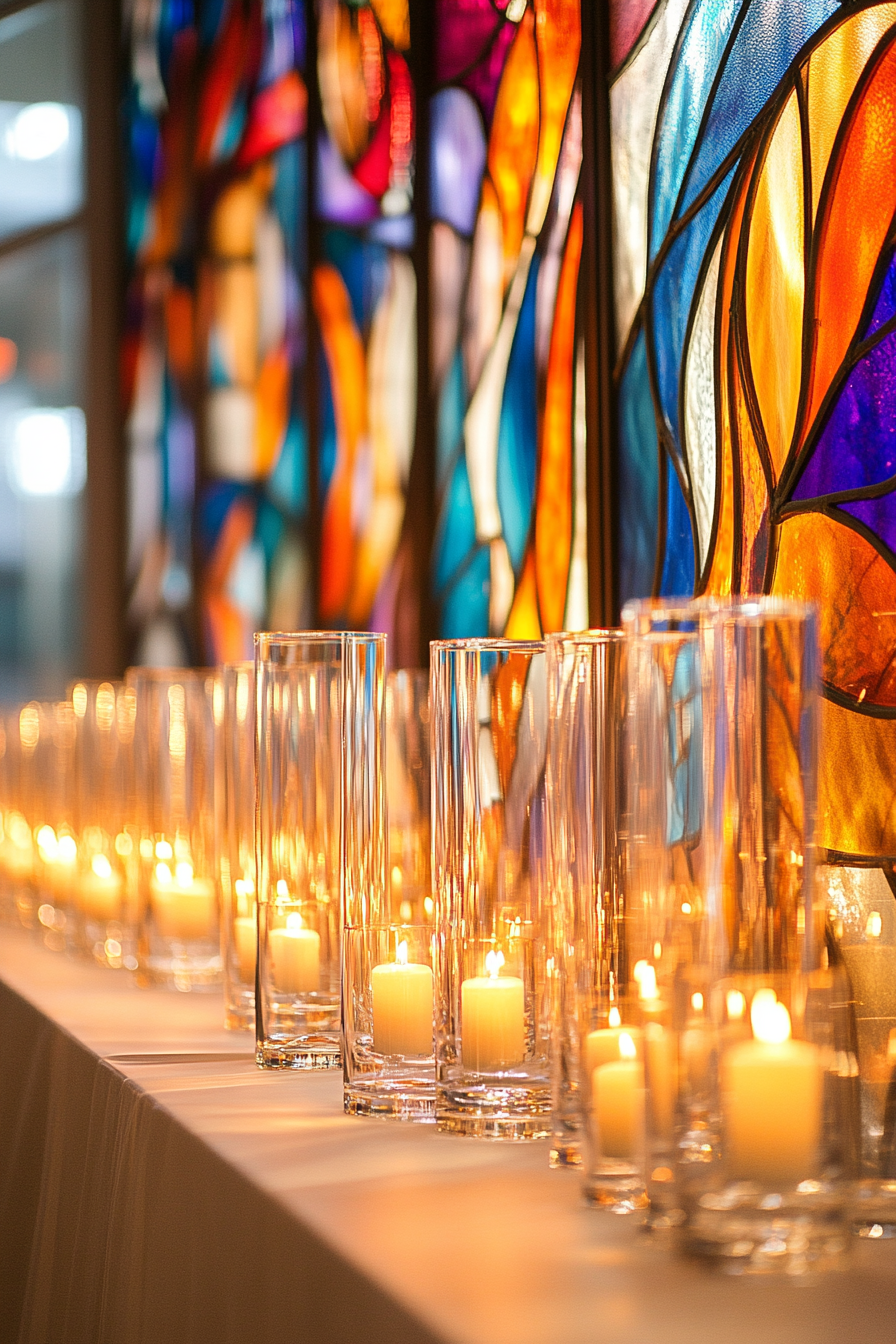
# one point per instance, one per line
(43, 336)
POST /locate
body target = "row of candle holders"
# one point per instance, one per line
(621, 943)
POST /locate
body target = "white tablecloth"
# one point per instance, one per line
(155, 1187)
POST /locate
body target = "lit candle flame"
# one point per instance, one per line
(627, 1049)
(873, 927)
(647, 984)
(769, 1019)
(294, 922)
(493, 963)
(401, 953)
(101, 865)
(163, 875)
(697, 1002)
(184, 874)
(615, 1018)
(736, 1005)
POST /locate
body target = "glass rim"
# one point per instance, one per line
(161, 674)
(294, 638)
(754, 609)
(591, 638)
(487, 644)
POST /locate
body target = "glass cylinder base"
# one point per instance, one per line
(394, 1099)
(493, 1111)
(872, 1209)
(188, 972)
(748, 1234)
(302, 1052)
(565, 1154)
(239, 1010)
(622, 1193)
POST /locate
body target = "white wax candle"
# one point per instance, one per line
(659, 1054)
(245, 937)
(402, 1007)
(100, 891)
(295, 957)
(602, 1046)
(183, 906)
(772, 1100)
(617, 1102)
(493, 1019)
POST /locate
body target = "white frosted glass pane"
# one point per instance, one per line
(700, 406)
(634, 101)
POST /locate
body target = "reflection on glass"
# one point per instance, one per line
(40, 120)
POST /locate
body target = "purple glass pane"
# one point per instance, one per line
(885, 308)
(339, 197)
(464, 29)
(458, 158)
(879, 515)
(483, 80)
(857, 446)
(627, 21)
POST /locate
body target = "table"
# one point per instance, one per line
(156, 1187)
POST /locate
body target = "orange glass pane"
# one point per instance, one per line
(179, 331)
(821, 560)
(271, 409)
(854, 223)
(833, 72)
(753, 488)
(394, 20)
(775, 287)
(857, 786)
(227, 630)
(344, 352)
(558, 37)
(720, 578)
(351, 75)
(507, 705)
(513, 146)
(523, 622)
(553, 496)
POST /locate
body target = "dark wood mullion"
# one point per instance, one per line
(597, 313)
(105, 513)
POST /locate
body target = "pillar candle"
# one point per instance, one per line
(245, 937)
(100, 891)
(493, 1019)
(772, 1100)
(402, 1006)
(617, 1102)
(295, 957)
(183, 906)
(602, 1046)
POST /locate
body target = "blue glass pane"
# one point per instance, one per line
(685, 733)
(465, 609)
(678, 564)
(458, 159)
(769, 38)
(393, 231)
(638, 478)
(857, 446)
(706, 32)
(288, 482)
(885, 308)
(364, 266)
(327, 459)
(457, 532)
(879, 515)
(450, 425)
(214, 505)
(289, 198)
(673, 295)
(268, 530)
(518, 433)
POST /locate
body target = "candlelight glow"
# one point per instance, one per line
(401, 953)
(615, 1018)
(873, 927)
(47, 844)
(697, 1002)
(647, 984)
(627, 1049)
(493, 963)
(184, 874)
(294, 922)
(67, 849)
(163, 875)
(164, 850)
(101, 865)
(736, 1005)
(769, 1019)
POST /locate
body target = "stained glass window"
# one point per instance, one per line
(214, 347)
(754, 188)
(364, 297)
(507, 352)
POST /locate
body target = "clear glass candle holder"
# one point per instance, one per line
(179, 943)
(310, 865)
(18, 849)
(488, 703)
(389, 1059)
(407, 786)
(236, 847)
(585, 899)
(860, 929)
(103, 919)
(56, 823)
(751, 1023)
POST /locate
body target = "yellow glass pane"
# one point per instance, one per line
(775, 289)
(523, 622)
(513, 145)
(394, 20)
(833, 73)
(558, 36)
(857, 786)
(822, 560)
